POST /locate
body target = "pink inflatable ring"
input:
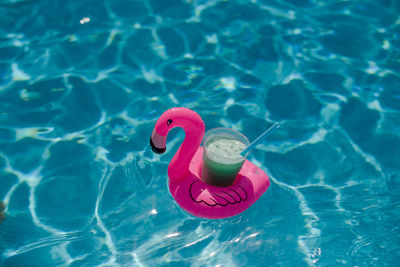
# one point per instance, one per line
(185, 184)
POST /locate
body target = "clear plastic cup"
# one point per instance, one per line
(221, 158)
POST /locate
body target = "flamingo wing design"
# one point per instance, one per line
(216, 196)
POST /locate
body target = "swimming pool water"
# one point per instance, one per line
(83, 82)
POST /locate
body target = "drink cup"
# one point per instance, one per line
(221, 157)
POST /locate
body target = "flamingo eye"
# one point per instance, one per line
(169, 122)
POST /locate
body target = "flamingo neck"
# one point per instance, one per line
(178, 168)
(194, 128)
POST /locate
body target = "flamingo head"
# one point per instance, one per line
(189, 120)
(158, 138)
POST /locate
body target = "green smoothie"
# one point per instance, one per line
(222, 161)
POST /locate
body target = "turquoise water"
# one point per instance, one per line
(83, 82)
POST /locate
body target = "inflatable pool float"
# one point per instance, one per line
(184, 171)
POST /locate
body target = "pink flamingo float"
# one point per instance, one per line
(185, 184)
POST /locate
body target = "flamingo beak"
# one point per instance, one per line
(158, 143)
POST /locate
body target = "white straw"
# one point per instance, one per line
(259, 139)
